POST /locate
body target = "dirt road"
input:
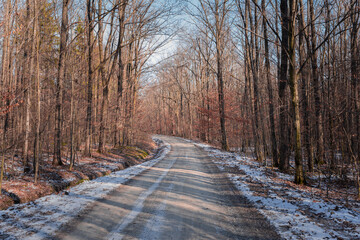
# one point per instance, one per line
(184, 196)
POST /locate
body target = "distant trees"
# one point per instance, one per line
(214, 16)
(289, 83)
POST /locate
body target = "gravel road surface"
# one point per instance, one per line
(184, 196)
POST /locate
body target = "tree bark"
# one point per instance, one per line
(219, 61)
(72, 125)
(354, 117)
(5, 84)
(305, 75)
(38, 92)
(59, 84)
(27, 86)
(254, 63)
(89, 10)
(317, 93)
(293, 80)
(275, 155)
(105, 87)
(283, 83)
(121, 68)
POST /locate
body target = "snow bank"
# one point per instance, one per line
(42, 218)
(294, 212)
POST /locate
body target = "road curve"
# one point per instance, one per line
(184, 196)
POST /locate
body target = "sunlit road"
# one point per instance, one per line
(182, 197)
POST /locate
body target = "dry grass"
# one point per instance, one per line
(19, 187)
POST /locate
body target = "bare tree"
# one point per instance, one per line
(270, 88)
(283, 83)
(214, 15)
(89, 28)
(293, 80)
(59, 84)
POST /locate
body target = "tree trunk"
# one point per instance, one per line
(27, 86)
(105, 87)
(283, 82)
(317, 93)
(219, 74)
(354, 118)
(2, 167)
(275, 155)
(38, 92)
(60, 78)
(72, 126)
(254, 63)
(120, 77)
(5, 84)
(305, 91)
(89, 9)
(293, 80)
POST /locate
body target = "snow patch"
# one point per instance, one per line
(287, 210)
(42, 218)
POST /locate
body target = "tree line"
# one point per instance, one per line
(280, 78)
(70, 75)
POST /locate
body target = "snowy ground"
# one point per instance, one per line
(296, 213)
(42, 218)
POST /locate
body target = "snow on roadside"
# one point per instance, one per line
(42, 218)
(294, 212)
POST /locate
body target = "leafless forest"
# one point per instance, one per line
(278, 79)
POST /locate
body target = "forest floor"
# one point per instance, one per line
(41, 218)
(313, 211)
(19, 187)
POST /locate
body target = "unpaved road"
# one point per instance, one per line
(184, 196)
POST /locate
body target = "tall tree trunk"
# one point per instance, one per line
(38, 91)
(2, 167)
(283, 83)
(330, 95)
(89, 9)
(72, 125)
(224, 144)
(305, 75)
(104, 85)
(293, 80)
(60, 78)
(5, 84)
(219, 74)
(254, 63)
(104, 79)
(247, 60)
(354, 117)
(275, 155)
(27, 86)
(128, 92)
(6, 63)
(120, 77)
(317, 93)
(31, 67)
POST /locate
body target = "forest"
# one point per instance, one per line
(276, 79)
(70, 78)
